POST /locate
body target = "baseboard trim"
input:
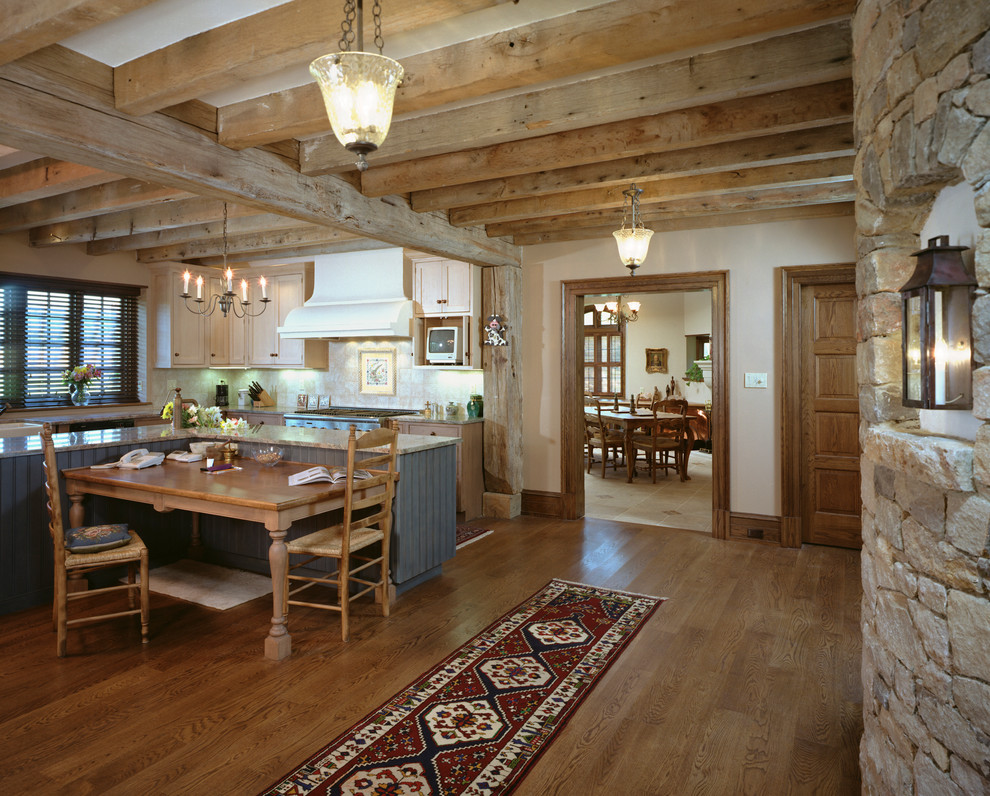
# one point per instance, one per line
(543, 504)
(754, 528)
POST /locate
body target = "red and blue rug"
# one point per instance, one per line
(475, 723)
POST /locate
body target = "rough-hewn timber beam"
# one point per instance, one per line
(85, 129)
(245, 244)
(732, 120)
(803, 58)
(45, 177)
(565, 45)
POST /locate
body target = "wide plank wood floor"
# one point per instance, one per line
(746, 681)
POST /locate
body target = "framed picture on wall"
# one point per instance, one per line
(656, 360)
(302, 399)
(313, 402)
(378, 371)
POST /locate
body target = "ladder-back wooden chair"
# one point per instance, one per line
(79, 551)
(597, 434)
(366, 522)
(660, 438)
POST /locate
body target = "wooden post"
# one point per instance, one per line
(502, 295)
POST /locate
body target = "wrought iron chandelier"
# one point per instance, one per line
(358, 87)
(228, 301)
(633, 240)
(617, 311)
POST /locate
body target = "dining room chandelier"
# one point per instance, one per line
(617, 311)
(227, 301)
(358, 87)
(633, 240)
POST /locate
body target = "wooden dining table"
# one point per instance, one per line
(251, 492)
(642, 418)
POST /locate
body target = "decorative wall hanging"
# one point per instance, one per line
(495, 330)
(378, 371)
(656, 360)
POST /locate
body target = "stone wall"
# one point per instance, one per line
(921, 115)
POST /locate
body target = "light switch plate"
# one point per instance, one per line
(756, 381)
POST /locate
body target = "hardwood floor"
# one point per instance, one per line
(745, 681)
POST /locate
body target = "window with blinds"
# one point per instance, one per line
(49, 325)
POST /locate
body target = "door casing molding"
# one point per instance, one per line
(573, 293)
(792, 280)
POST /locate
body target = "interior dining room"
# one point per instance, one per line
(649, 347)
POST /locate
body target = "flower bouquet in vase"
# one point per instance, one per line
(77, 379)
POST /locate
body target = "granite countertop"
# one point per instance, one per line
(275, 435)
(81, 415)
(460, 421)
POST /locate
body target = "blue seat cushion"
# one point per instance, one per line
(93, 538)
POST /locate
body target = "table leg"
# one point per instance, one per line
(278, 644)
(630, 465)
(195, 550)
(77, 515)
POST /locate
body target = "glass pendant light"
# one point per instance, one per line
(633, 241)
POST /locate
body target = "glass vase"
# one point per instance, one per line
(79, 396)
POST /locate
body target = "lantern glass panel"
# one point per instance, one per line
(912, 348)
(952, 355)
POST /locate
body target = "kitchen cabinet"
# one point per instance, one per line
(469, 342)
(286, 289)
(443, 288)
(228, 335)
(180, 336)
(470, 462)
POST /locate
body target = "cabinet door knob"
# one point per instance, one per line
(273, 355)
(433, 433)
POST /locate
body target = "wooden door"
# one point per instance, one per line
(830, 490)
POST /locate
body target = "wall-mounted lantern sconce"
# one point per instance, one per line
(937, 337)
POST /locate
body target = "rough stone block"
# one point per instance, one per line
(896, 630)
(940, 560)
(932, 595)
(976, 164)
(973, 700)
(926, 99)
(967, 777)
(955, 74)
(952, 730)
(954, 131)
(981, 256)
(946, 26)
(923, 502)
(969, 618)
(981, 458)
(879, 360)
(905, 581)
(929, 778)
(981, 328)
(879, 315)
(939, 754)
(942, 462)
(978, 99)
(888, 523)
(967, 522)
(891, 268)
(906, 242)
(883, 481)
(981, 55)
(883, 403)
(902, 77)
(981, 393)
(934, 632)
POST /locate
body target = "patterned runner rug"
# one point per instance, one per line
(475, 723)
(468, 533)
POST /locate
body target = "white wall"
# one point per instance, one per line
(750, 254)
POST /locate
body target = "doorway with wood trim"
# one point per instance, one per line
(574, 295)
(821, 499)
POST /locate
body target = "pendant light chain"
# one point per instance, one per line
(224, 236)
(347, 26)
(376, 11)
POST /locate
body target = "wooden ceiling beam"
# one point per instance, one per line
(732, 120)
(269, 41)
(761, 199)
(706, 220)
(668, 190)
(40, 112)
(793, 147)
(29, 25)
(167, 215)
(120, 195)
(238, 245)
(802, 58)
(255, 223)
(45, 177)
(562, 46)
(283, 255)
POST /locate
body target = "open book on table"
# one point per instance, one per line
(320, 473)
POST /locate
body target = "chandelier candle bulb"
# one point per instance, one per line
(244, 290)
(199, 287)
(264, 288)
(185, 282)
(230, 278)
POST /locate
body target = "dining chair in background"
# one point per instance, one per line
(598, 434)
(367, 521)
(662, 438)
(80, 551)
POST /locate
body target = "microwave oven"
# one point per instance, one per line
(443, 345)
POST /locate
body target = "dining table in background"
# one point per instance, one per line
(252, 492)
(643, 418)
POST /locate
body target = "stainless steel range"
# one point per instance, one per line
(343, 417)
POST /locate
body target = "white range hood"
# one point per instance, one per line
(357, 294)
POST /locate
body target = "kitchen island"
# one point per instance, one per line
(423, 530)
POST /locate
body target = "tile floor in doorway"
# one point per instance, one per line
(670, 502)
